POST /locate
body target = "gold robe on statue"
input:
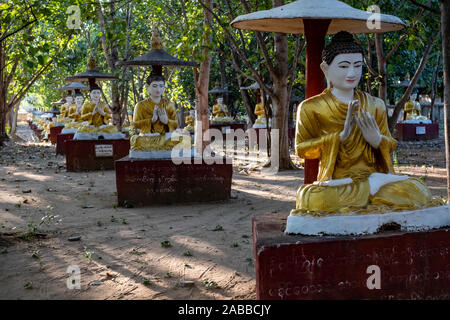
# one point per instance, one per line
(76, 117)
(96, 122)
(319, 123)
(153, 135)
(220, 110)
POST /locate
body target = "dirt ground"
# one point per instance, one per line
(120, 254)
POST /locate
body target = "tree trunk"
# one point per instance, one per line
(202, 86)
(3, 104)
(13, 119)
(445, 13)
(382, 90)
(281, 101)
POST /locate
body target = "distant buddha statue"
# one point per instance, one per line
(96, 117)
(156, 119)
(261, 120)
(347, 130)
(63, 117)
(412, 111)
(190, 121)
(220, 112)
(75, 112)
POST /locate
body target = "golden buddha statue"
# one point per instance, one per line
(220, 112)
(412, 111)
(75, 112)
(190, 121)
(156, 119)
(261, 120)
(347, 130)
(63, 117)
(95, 117)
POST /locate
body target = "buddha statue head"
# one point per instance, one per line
(342, 62)
(79, 99)
(220, 100)
(413, 96)
(155, 87)
(69, 99)
(95, 93)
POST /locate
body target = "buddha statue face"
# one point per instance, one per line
(95, 95)
(345, 71)
(413, 96)
(220, 100)
(79, 101)
(69, 99)
(156, 89)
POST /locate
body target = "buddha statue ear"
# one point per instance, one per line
(324, 66)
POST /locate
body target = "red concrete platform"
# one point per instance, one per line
(413, 131)
(54, 131)
(60, 142)
(412, 265)
(155, 181)
(91, 155)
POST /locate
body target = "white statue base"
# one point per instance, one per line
(416, 220)
(95, 136)
(162, 154)
(69, 131)
(418, 121)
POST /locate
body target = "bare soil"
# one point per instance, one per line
(120, 254)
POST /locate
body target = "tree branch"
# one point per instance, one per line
(423, 6)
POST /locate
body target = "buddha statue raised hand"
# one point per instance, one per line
(347, 130)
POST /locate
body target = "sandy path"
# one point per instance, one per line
(121, 248)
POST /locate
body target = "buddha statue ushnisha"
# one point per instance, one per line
(220, 111)
(156, 119)
(347, 130)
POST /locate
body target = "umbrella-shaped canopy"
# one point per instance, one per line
(290, 17)
(73, 86)
(253, 86)
(59, 102)
(405, 83)
(156, 57)
(91, 75)
(218, 89)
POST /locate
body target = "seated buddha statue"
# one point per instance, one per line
(75, 114)
(63, 117)
(261, 120)
(347, 130)
(220, 112)
(95, 117)
(190, 121)
(156, 119)
(412, 111)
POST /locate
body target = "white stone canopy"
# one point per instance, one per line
(289, 18)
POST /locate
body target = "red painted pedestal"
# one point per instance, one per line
(91, 155)
(412, 265)
(155, 181)
(60, 142)
(413, 131)
(54, 131)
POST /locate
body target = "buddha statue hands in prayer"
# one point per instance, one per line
(347, 130)
(220, 112)
(261, 120)
(156, 119)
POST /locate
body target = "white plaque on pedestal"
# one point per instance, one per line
(420, 130)
(103, 150)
